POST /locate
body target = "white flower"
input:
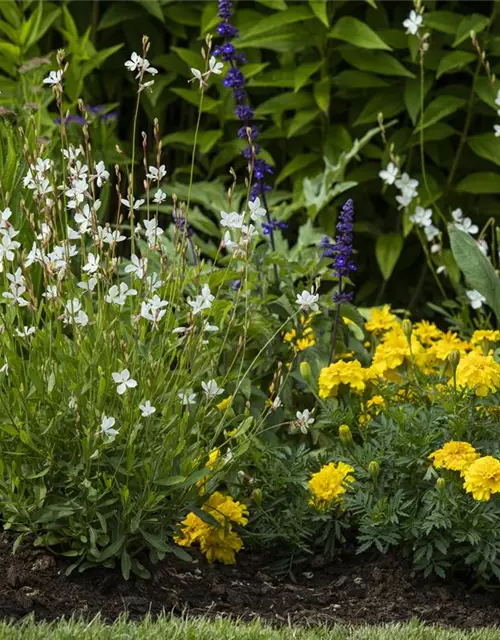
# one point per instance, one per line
(198, 75)
(53, 78)
(413, 22)
(15, 295)
(304, 420)
(210, 328)
(497, 99)
(123, 381)
(107, 425)
(154, 282)
(467, 226)
(214, 66)
(496, 127)
(159, 197)
(118, 295)
(389, 174)
(431, 232)
(422, 217)
(476, 299)
(407, 185)
(203, 301)
(137, 266)
(76, 192)
(73, 313)
(156, 174)
(134, 63)
(92, 264)
(187, 398)
(5, 368)
(51, 292)
(35, 255)
(101, 175)
(483, 246)
(137, 203)
(4, 216)
(256, 211)
(441, 269)
(232, 220)
(404, 200)
(307, 300)
(457, 215)
(227, 242)
(146, 66)
(17, 277)
(154, 309)
(211, 389)
(7, 248)
(276, 404)
(147, 409)
(26, 331)
(90, 285)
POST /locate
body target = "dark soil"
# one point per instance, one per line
(356, 589)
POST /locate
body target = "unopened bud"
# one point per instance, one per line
(374, 469)
(440, 483)
(407, 327)
(345, 434)
(454, 359)
(257, 496)
(305, 370)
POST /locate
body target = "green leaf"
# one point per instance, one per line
(300, 120)
(387, 251)
(358, 80)
(112, 549)
(388, 103)
(98, 59)
(285, 102)
(412, 95)
(193, 97)
(284, 79)
(276, 22)
(284, 40)
(304, 72)
(440, 108)
(119, 13)
(320, 10)
(476, 267)
(444, 21)
(486, 92)
(126, 564)
(296, 164)
(206, 139)
(321, 92)
(11, 51)
(357, 33)
(191, 58)
(475, 22)
(153, 7)
(453, 61)
(482, 182)
(376, 61)
(486, 145)
(277, 5)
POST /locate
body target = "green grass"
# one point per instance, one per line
(201, 629)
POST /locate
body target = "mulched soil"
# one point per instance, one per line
(354, 589)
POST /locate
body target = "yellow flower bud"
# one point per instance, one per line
(257, 496)
(305, 370)
(374, 469)
(345, 434)
(440, 483)
(454, 359)
(407, 327)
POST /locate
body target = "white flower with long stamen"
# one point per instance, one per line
(153, 281)
(15, 295)
(138, 266)
(308, 301)
(123, 381)
(73, 313)
(304, 420)
(476, 299)
(92, 265)
(54, 78)
(212, 389)
(118, 294)
(412, 23)
(137, 204)
(159, 196)
(389, 174)
(76, 192)
(147, 409)
(187, 398)
(107, 424)
(214, 67)
(112, 237)
(156, 174)
(146, 66)
(4, 217)
(198, 75)
(88, 285)
(202, 301)
(101, 175)
(232, 220)
(154, 309)
(257, 213)
(26, 332)
(51, 292)
(134, 63)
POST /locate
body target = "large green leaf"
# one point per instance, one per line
(352, 79)
(486, 145)
(440, 108)
(387, 251)
(355, 32)
(376, 61)
(320, 9)
(385, 102)
(476, 22)
(302, 73)
(276, 22)
(482, 182)
(444, 21)
(453, 61)
(476, 267)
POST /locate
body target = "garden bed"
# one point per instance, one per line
(370, 589)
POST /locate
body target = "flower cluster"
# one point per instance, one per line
(216, 543)
(329, 484)
(342, 250)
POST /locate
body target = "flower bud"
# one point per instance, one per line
(345, 434)
(454, 359)
(374, 469)
(440, 483)
(305, 370)
(407, 327)
(257, 496)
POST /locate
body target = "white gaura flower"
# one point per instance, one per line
(17, 277)
(422, 217)
(92, 264)
(210, 328)
(307, 301)
(156, 174)
(123, 381)
(107, 424)
(232, 220)
(159, 196)
(146, 65)
(73, 313)
(147, 409)
(7, 248)
(101, 175)
(389, 174)
(76, 192)
(73, 234)
(72, 153)
(476, 299)
(112, 237)
(137, 203)
(35, 255)
(15, 295)
(54, 78)
(304, 420)
(4, 216)
(88, 285)
(118, 294)
(153, 281)
(276, 404)
(25, 332)
(134, 63)
(154, 309)
(212, 389)
(187, 398)
(256, 211)
(137, 266)
(198, 75)
(202, 301)
(51, 292)
(412, 23)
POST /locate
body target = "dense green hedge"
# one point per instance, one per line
(320, 73)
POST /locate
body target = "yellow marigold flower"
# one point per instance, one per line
(376, 401)
(440, 350)
(454, 455)
(212, 458)
(220, 545)
(221, 507)
(224, 404)
(381, 320)
(482, 478)
(479, 372)
(350, 373)
(427, 332)
(394, 349)
(486, 335)
(307, 340)
(290, 336)
(328, 484)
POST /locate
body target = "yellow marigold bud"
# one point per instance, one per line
(440, 483)
(374, 469)
(305, 370)
(454, 359)
(345, 434)
(407, 327)
(257, 496)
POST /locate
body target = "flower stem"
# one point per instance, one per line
(335, 327)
